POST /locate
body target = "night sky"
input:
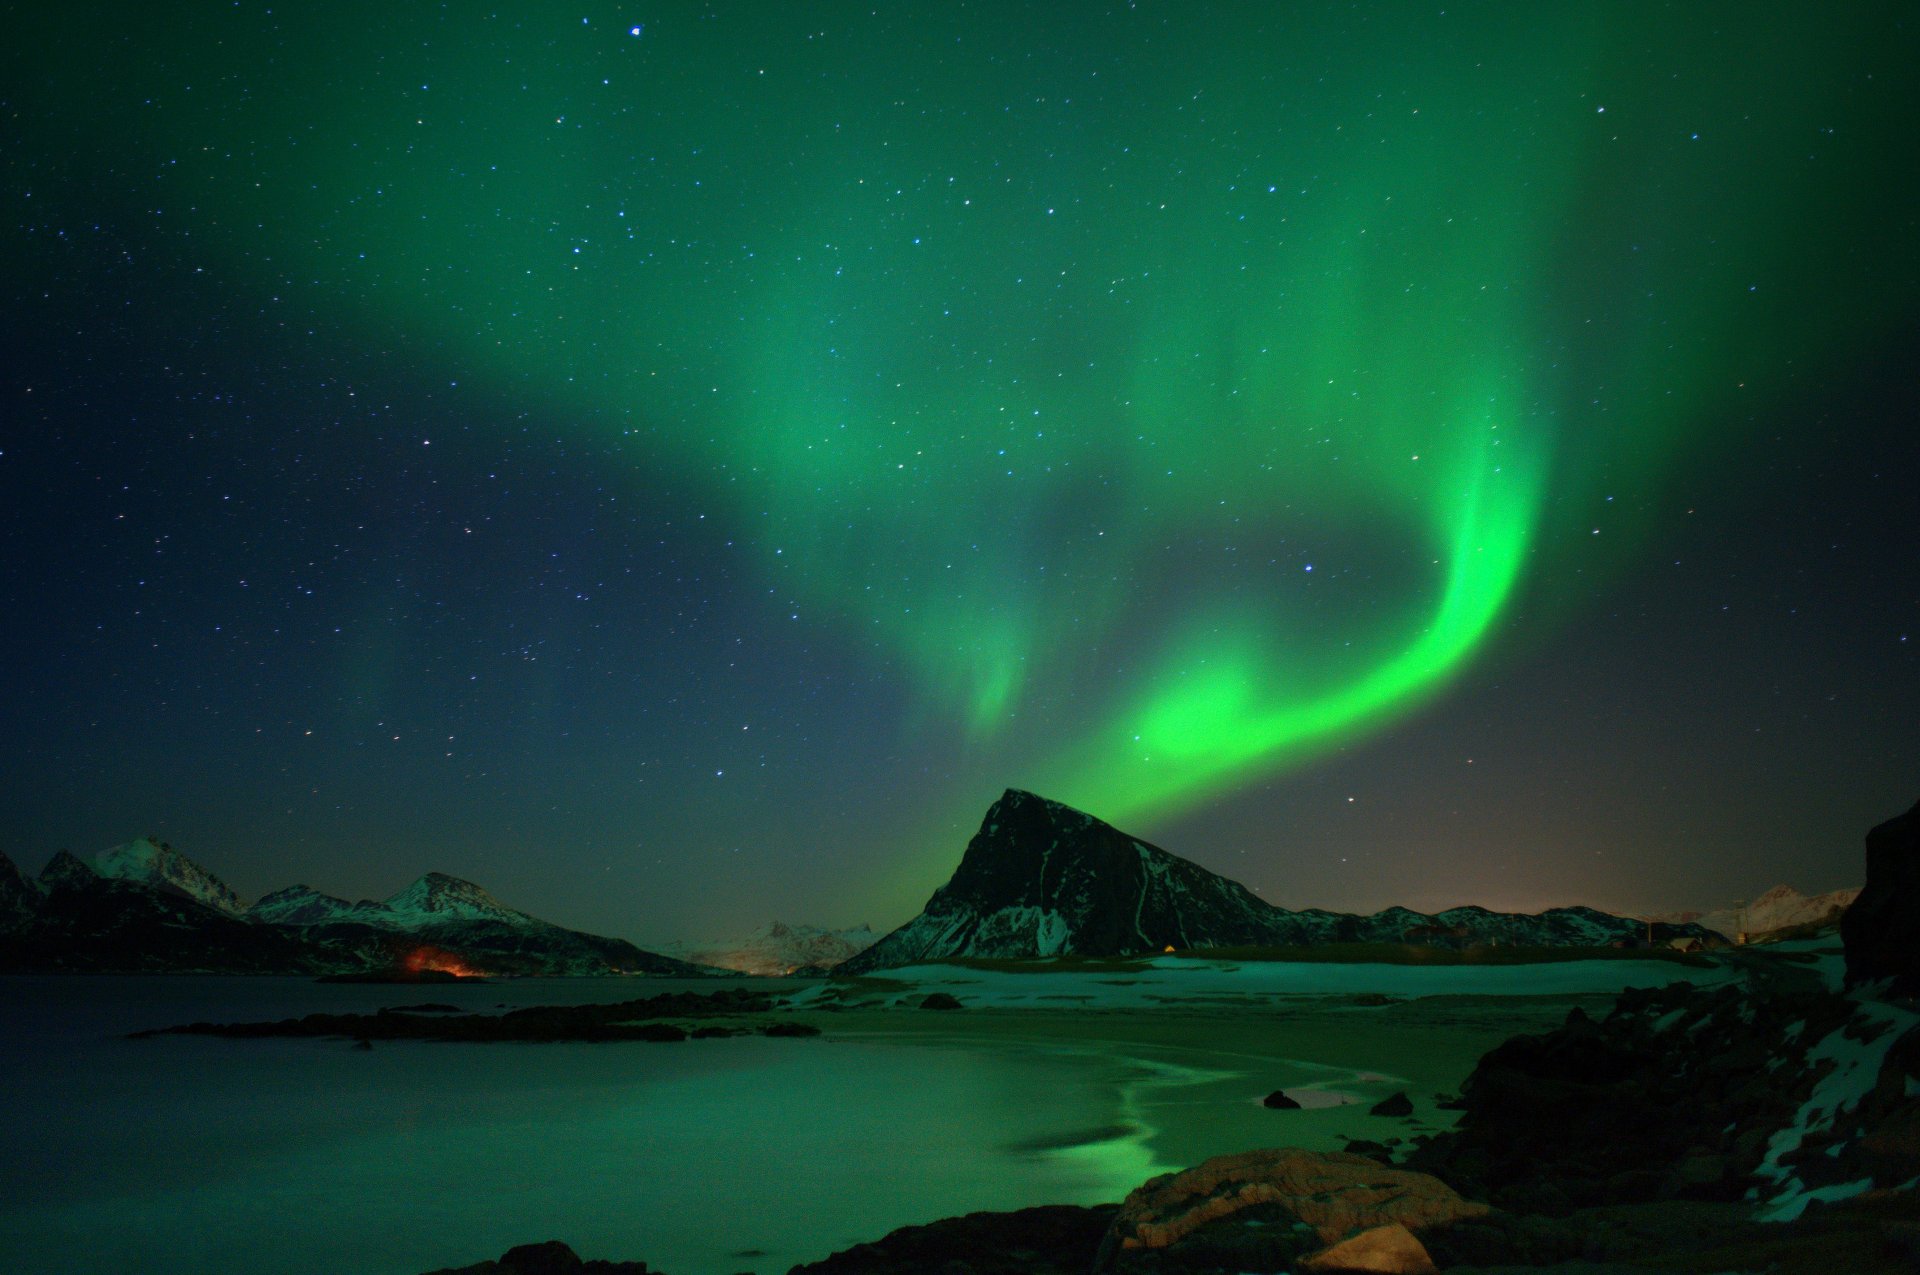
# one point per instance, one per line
(675, 464)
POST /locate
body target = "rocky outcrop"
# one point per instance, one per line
(1381, 1250)
(550, 1258)
(1690, 1094)
(1051, 1240)
(1260, 1210)
(1043, 879)
(1881, 930)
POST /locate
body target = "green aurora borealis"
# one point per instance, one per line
(1157, 395)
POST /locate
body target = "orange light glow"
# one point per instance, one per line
(432, 958)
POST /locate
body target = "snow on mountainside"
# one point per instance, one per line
(304, 905)
(1779, 908)
(437, 897)
(1043, 879)
(777, 948)
(144, 907)
(434, 899)
(460, 918)
(158, 864)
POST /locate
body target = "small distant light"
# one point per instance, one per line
(635, 31)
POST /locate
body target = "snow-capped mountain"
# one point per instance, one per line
(81, 921)
(146, 907)
(437, 897)
(304, 905)
(1778, 909)
(777, 948)
(158, 864)
(462, 919)
(1044, 879)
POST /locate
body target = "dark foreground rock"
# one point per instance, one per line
(1057, 1239)
(643, 1019)
(1262, 1210)
(1682, 1093)
(550, 1258)
(1881, 928)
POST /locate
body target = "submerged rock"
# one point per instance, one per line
(939, 1000)
(1398, 1105)
(1279, 1101)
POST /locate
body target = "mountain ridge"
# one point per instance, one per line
(154, 910)
(1041, 878)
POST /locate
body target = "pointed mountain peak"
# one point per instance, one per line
(303, 905)
(19, 895)
(155, 863)
(437, 896)
(66, 869)
(1041, 878)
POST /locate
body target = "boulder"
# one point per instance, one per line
(1881, 930)
(1279, 1101)
(1330, 1195)
(1054, 1239)
(940, 1000)
(1381, 1250)
(1398, 1105)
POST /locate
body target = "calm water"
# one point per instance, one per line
(197, 1155)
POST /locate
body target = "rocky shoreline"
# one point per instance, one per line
(1771, 1124)
(651, 1018)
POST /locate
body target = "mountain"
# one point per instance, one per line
(1780, 908)
(450, 923)
(19, 896)
(158, 864)
(304, 905)
(777, 948)
(1044, 879)
(83, 922)
(144, 907)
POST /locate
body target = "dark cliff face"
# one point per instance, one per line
(19, 896)
(1040, 879)
(1117, 893)
(1881, 929)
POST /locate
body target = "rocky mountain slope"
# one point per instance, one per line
(158, 864)
(145, 907)
(1044, 879)
(1780, 908)
(777, 948)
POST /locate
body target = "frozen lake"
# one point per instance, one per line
(187, 1154)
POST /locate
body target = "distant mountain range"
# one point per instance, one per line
(1780, 908)
(144, 907)
(1043, 879)
(777, 948)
